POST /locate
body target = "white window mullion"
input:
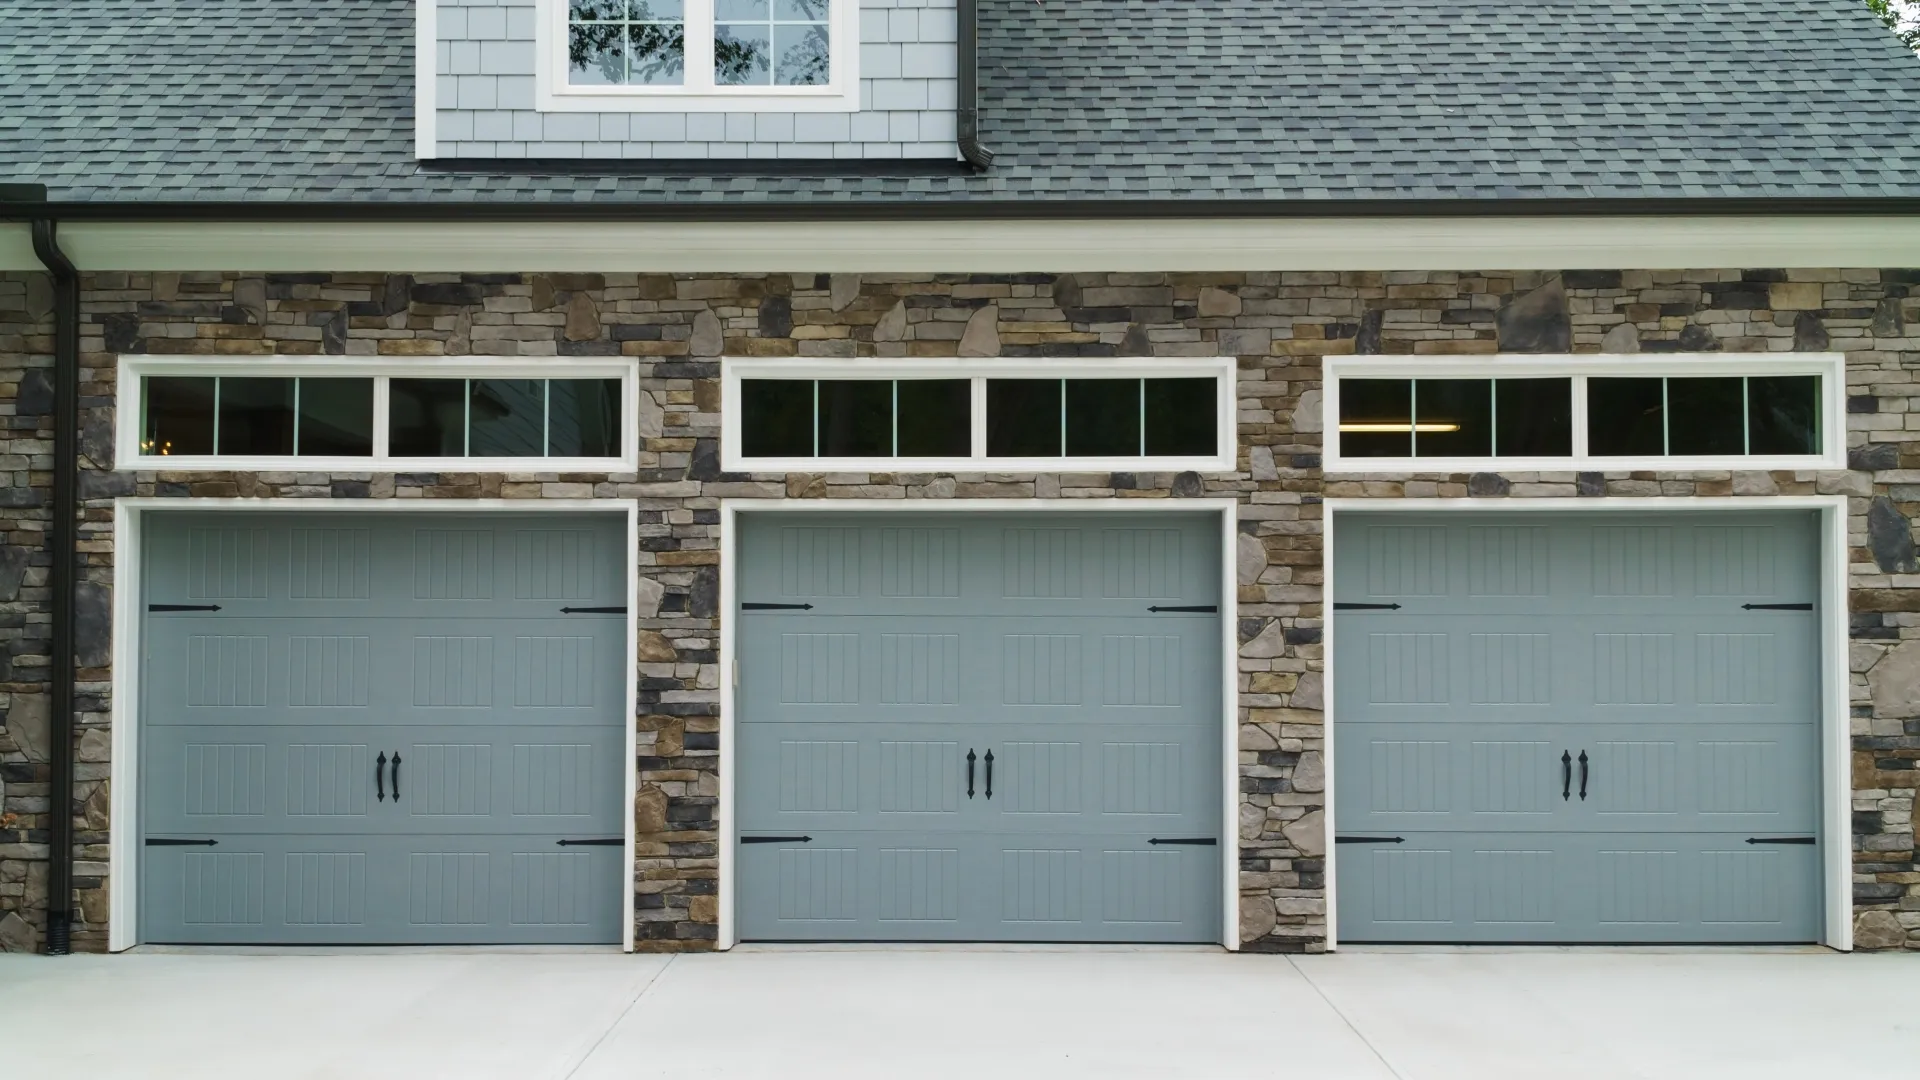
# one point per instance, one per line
(382, 412)
(979, 418)
(1579, 399)
(296, 418)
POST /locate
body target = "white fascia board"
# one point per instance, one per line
(426, 53)
(988, 245)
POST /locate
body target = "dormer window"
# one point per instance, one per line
(700, 55)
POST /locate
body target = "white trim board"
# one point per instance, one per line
(124, 714)
(1228, 509)
(1836, 771)
(986, 244)
(1829, 368)
(426, 64)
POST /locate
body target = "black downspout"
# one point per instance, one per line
(63, 549)
(968, 25)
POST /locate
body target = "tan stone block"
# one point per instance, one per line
(650, 811)
(655, 648)
(1473, 347)
(412, 347)
(704, 909)
(1274, 682)
(653, 348)
(1795, 296)
(688, 558)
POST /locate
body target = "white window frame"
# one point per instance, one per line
(129, 418)
(699, 93)
(1221, 369)
(1830, 368)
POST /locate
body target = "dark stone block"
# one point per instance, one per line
(565, 282)
(1590, 279)
(333, 331)
(180, 309)
(1736, 296)
(1367, 341)
(686, 370)
(170, 489)
(1809, 333)
(235, 316)
(1262, 785)
(1874, 457)
(393, 297)
(1135, 342)
(1485, 484)
(1864, 892)
(1304, 461)
(105, 485)
(1590, 485)
(1680, 310)
(1463, 316)
(698, 740)
(1900, 277)
(93, 623)
(1536, 322)
(122, 332)
(706, 517)
(299, 279)
(1123, 481)
(21, 497)
(1066, 292)
(1302, 635)
(706, 460)
(13, 569)
(1763, 276)
(703, 600)
(35, 393)
(635, 332)
(1863, 403)
(1098, 314)
(589, 348)
(1891, 536)
(1698, 339)
(1250, 629)
(446, 293)
(350, 489)
(1187, 485)
(776, 316)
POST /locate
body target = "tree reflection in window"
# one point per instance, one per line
(626, 42)
(771, 42)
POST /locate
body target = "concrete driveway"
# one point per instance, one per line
(973, 1013)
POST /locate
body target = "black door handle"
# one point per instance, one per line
(380, 776)
(396, 776)
(1583, 776)
(1566, 775)
(969, 773)
(989, 774)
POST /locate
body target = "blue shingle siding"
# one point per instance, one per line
(1082, 99)
(489, 45)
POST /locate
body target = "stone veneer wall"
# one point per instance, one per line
(1278, 324)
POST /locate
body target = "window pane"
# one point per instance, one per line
(856, 418)
(1103, 417)
(1705, 416)
(776, 418)
(583, 417)
(800, 51)
(1624, 417)
(936, 417)
(1376, 417)
(1783, 414)
(1023, 418)
(427, 417)
(596, 54)
(256, 416)
(741, 51)
(508, 418)
(658, 52)
(336, 417)
(1182, 418)
(1533, 417)
(1453, 417)
(179, 418)
(634, 42)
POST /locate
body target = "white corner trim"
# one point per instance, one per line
(1222, 369)
(426, 73)
(699, 93)
(1836, 756)
(123, 714)
(1228, 509)
(1829, 367)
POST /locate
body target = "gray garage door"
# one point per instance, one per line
(1598, 728)
(977, 727)
(370, 727)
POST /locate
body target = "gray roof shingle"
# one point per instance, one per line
(1290, 100)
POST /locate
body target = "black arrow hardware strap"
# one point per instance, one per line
(621, 610)
(776, 607)
(1779, 839)
(380, 777)
(1199, 607)
(611, 841)
(776, 839)
(1366, 607)
(1776, 607)
(1369, 839)
(153, 841)
(1196, 841)
(183, 607)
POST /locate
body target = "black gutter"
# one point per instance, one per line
(63, 550)
(967, 19)
(708, 209)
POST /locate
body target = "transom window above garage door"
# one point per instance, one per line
(1555, 414)
(475, 415)
(987, 414)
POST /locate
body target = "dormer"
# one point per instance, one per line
(687, 81)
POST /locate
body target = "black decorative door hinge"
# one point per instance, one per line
(183, 607)
(154, 841)
(1369, 839)
(621, 610)
(776, 607)
(1366, 607)
(609, 841)
(1779, 839)
(776, 839)
(1776, 607)
(1193, 841)
(1211, 608)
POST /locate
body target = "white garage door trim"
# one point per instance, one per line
(1835, 771)
(1228, 509)
(123, 773)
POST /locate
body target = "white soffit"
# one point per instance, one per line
(988, 245)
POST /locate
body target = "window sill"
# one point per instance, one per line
(1398, 466)
(981, 466)
(527, 466)
(800, 99)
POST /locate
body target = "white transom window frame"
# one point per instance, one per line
(978, 371)
(1830, 368)
(129, 415)
(699, 93)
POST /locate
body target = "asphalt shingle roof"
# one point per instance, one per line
(304, 100)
